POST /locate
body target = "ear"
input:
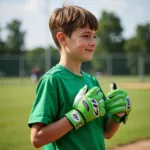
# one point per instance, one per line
(61, 38)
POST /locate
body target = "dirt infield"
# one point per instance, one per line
(135, 85)
(140, 145)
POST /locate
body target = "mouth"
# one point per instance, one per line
(89, 50)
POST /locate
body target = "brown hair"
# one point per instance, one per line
(68, 18)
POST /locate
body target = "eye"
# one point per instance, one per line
(85, 35)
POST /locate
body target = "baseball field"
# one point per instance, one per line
(16, 98)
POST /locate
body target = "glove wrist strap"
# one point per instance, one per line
(116, 118)
(75, 118)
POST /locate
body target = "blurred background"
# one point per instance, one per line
(27, 51)
(123, 37)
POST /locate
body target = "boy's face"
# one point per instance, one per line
(82, 44)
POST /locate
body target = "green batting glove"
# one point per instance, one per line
(88, 105)
(118, 101)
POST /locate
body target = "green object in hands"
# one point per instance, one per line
(88, 105)
(118, 101)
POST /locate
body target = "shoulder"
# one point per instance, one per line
(93, 79)
(50, 78)
(53, 74)
(90, 76)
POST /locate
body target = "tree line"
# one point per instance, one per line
(110, 40)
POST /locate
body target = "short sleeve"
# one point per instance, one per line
(44, 109)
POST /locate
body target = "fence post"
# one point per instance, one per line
(109, 64)
(21, 67)
(141, 67)
(47, 59)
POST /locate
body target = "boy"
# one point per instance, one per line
(69, 112)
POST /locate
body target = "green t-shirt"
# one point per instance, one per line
(55, 95)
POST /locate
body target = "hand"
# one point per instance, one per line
(118, 105)
(87, 106)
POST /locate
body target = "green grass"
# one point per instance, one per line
(15, 105)
(16, 98)
(138, 124)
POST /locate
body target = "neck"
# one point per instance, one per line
(73, 66)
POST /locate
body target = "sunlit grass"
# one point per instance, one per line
(16, 98)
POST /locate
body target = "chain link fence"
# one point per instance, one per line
(110, 64)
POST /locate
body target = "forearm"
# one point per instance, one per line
(51, 132)
(110, 128)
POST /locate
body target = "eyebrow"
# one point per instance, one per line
(89, 32)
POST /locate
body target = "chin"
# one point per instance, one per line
(88, 59)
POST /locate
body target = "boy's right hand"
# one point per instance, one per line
(87, 106)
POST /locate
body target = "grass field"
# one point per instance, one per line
(16, 98)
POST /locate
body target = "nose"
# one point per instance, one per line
(92, 43)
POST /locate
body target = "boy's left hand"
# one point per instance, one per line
(118, 103)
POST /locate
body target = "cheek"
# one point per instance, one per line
(81, 45)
